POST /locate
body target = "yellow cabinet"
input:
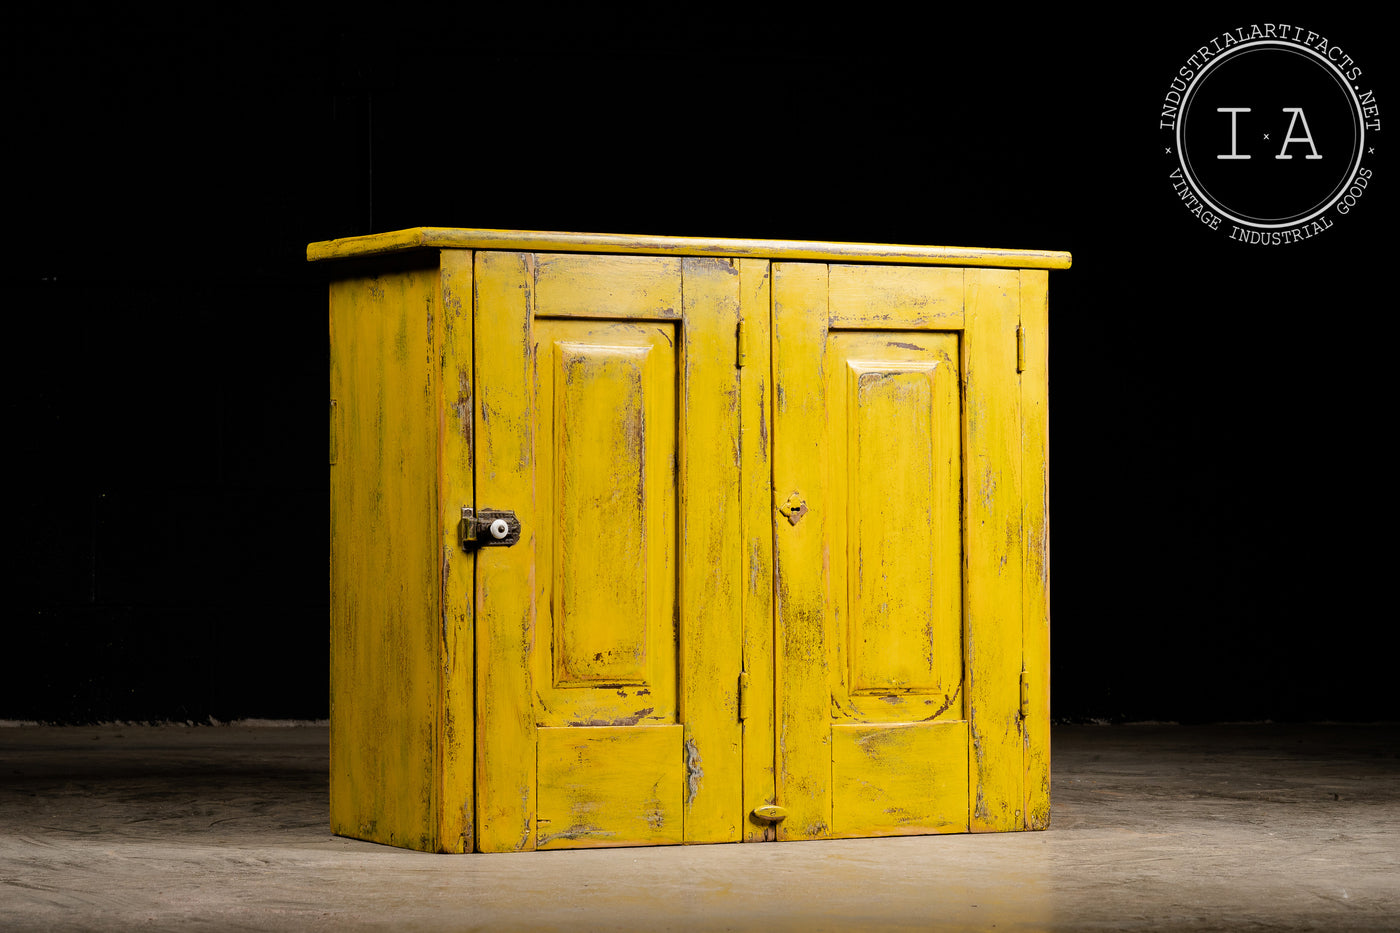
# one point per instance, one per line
(644, 540)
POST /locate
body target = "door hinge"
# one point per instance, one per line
(1020, 349)
(742, 350)
(743, 695)
(335, 434)
(488, 528)
(1025, 695)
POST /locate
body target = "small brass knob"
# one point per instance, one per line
(769, 813)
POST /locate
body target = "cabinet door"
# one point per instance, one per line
(608, 651)
(897, 546)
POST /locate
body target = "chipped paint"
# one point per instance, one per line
(631, 720)
(575, 833)
(693, 772)
(979, 809)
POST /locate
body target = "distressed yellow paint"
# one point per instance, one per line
(647, 287)
(417, 238)
(801, 551)
(1035, 612)
(633, 427)
(869, 578)
(899, 779)
(756, 517)
(454, 787)
(602, 614)
(992, 489)
(606, 495)
(607, 786)
(842, 502)
(384, 337)
(896, 297)
(711, 578)
(900, 536)
(505, 577)
(894, 414)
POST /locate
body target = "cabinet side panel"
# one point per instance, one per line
(1035, 323)
(384, 559)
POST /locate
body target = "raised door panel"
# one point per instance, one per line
(895, 468)
(899, 729)
(605, 563)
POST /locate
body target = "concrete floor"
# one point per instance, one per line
(1258, 827)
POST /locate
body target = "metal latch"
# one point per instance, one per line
(488, 528)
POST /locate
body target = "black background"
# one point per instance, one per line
(1222, 519)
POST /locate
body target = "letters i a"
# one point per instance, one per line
(1298, 115)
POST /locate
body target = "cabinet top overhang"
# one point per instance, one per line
(400, 241)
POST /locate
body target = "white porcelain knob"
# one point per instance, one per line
(499, 529)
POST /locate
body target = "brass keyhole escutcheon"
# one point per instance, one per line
(793, 509)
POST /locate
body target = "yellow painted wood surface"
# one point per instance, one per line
(994, 559)
(611, 497)
(756, 516)
(800, 550)
(1035, 482)
(609, 786)
(868, 473)
(613, 286)
(384, 645)
(632, 431)
(606, 497)
(895, 468)
(899, 779)
(896, 297)
(505, 431)
(455, 784)
(784, 542)
(711, 622)
(417, 238)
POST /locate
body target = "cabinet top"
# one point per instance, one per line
(458, 238)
